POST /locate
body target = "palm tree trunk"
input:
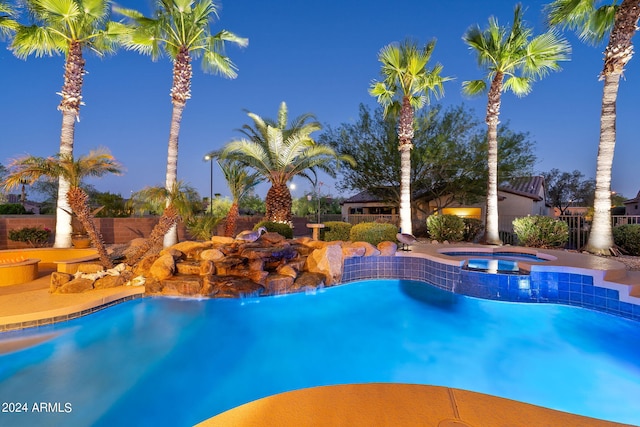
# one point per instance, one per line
(180, 93)
(232, 220)
(278, 203)
(618, 53)
(79, 202)
(171, 238)
(405, 189)
(405, 136)
(70, 108)
(492, 234)
(168, 220)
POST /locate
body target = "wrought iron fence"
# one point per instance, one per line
(358, 218)
(578, 228)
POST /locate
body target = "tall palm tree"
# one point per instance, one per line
(279, 151)
(240, 181)
(8, 23)
(407, 86)
(180, 28)
(29, 169)
(513, 61)
(67, 27)
(592, 25)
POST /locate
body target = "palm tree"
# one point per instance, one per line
(407, 86)
(181, 201)
(8, 23)
(279, 151)
(592, 25)
(513, 61)
(97, 163)
(67, 27)
(240, 181)
(181, 29)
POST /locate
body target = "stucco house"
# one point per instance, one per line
(516, 198)
(632, 206)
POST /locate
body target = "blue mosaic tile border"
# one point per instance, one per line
(536, 287)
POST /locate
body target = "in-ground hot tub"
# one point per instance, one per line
(498, 260)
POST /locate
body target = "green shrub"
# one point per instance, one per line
(35, 236)
(276, 227)
(472, 229)
(335, 230)
(373, 232)
(627, 237)
(541, 231)
(446, 227)
(12, 209)
(202, 227)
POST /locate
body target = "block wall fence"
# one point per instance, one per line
(120, 230)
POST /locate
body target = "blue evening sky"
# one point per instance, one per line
(319, 57)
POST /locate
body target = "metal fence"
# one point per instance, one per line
(578, 228)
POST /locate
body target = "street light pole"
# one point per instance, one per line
(210, 159)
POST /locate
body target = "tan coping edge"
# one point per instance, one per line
(392, 404)
(68, 312)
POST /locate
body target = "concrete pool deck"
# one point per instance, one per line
(31, 304)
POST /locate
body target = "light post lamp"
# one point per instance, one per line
(210, 160)
(309, 199)
(320, 184)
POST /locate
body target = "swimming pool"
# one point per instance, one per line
(177, 362)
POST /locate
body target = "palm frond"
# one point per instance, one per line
(518, 85)
(474, 87)
(8, 22)
(38, 41)
(544, 54)
(515, 53)
(405, 74)
(182, 24)
(239, 179)
(591, 24)
(28, 169)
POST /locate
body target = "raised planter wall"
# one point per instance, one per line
(18, 272)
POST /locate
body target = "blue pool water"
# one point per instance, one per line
(494, 262)
(493, 265)
(177, 362)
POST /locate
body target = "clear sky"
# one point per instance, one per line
(320, 58)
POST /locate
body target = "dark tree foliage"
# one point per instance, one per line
(112, 205)
(565, 189)
(373, 143)
(449, 158)
(251, 205)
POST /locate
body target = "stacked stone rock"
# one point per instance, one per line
(226, 268)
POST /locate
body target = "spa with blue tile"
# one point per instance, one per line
(538, 286)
